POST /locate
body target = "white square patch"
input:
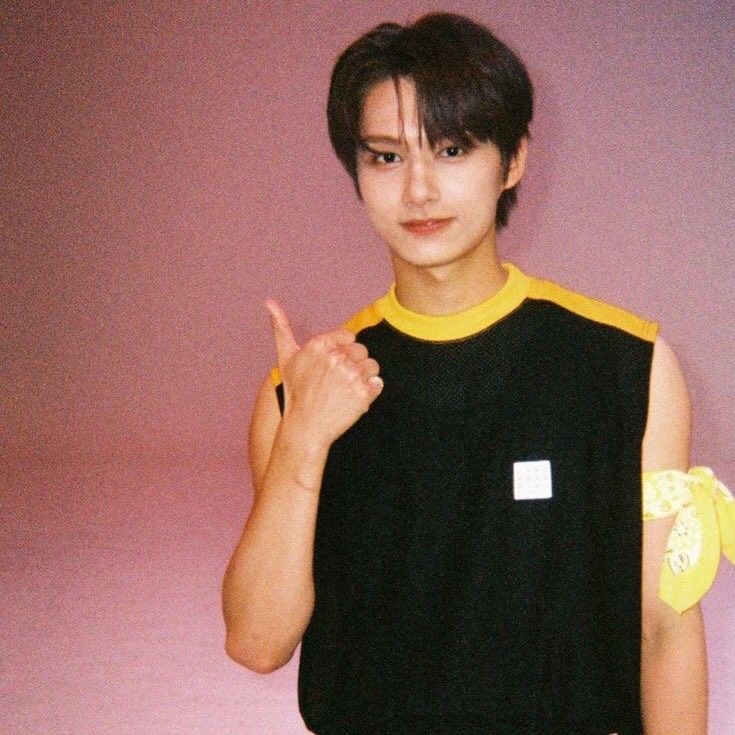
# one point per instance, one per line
(532, 480)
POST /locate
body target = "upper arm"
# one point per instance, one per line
(665, 447)
(263, 426)
(668, 428)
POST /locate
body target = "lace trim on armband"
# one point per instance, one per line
(703, 529)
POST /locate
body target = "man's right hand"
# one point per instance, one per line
(268, 591)
(328, 383)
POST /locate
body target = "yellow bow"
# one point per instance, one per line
(704, 528)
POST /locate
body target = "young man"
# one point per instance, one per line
(447, 502)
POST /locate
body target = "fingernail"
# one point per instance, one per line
(377, 381)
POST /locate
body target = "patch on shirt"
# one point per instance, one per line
(532, 480)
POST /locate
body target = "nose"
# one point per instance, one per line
(420, 185)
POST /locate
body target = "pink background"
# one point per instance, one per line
(166, 167)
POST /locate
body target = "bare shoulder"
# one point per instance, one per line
(667, 437)
(263, 426)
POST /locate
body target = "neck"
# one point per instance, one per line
(449, 288)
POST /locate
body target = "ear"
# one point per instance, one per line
(517, 165)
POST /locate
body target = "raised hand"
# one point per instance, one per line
(328, 383)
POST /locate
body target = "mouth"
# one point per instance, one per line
(426, 226)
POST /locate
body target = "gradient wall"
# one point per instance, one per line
(165, 167)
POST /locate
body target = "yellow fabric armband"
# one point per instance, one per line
(704, 528)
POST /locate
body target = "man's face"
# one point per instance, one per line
(432, 206)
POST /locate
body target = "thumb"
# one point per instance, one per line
(286, 345)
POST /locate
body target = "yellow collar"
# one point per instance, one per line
(464, 323)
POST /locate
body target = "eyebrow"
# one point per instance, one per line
(378, 139)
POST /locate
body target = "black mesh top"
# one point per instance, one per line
(447, 599)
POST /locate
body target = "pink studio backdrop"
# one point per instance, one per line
(165, 167)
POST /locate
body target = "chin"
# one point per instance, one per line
(427, 261)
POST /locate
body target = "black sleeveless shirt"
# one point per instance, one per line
(477, 561)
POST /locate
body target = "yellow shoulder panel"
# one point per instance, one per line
(590, 308)
(367, 317)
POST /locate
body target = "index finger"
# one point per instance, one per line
(286, 345)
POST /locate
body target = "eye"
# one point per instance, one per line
(452, 151)
(386, 157)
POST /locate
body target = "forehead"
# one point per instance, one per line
(389, 111)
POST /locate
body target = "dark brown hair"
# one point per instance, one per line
(470, 87)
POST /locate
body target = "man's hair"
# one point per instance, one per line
(470, 88)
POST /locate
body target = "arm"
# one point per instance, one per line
(268, 590)
(673, 657)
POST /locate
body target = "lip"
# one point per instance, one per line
(427, 226)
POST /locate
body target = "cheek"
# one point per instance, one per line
(478, 189)
(380, 221)
(376, 211)
(376, 196)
